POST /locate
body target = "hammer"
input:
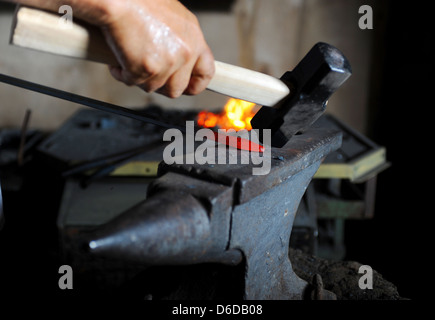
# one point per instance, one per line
(298, 99)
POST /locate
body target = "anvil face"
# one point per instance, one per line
(298, 154)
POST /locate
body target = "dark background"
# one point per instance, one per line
(396, 241)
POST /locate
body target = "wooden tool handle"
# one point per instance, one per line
(45, 31)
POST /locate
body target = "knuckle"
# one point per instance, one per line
(186, 53)
(148, 69)
(208, 74)
(171, 62)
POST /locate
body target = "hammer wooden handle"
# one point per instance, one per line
(42, 30)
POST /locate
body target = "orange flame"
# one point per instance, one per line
(237, 115)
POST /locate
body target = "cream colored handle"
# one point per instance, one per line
(46, 31)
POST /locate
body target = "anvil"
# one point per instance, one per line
(223, 214)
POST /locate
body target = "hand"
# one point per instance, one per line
(159, 46)
(158, 43)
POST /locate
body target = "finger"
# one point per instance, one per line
(171, 80)
(178, 82)
(154, 83)
(202, 73)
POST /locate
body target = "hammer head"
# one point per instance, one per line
(319, 74)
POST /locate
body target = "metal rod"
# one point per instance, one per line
(89, 102)
(108, 107)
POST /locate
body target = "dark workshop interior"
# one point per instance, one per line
(66, 170)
